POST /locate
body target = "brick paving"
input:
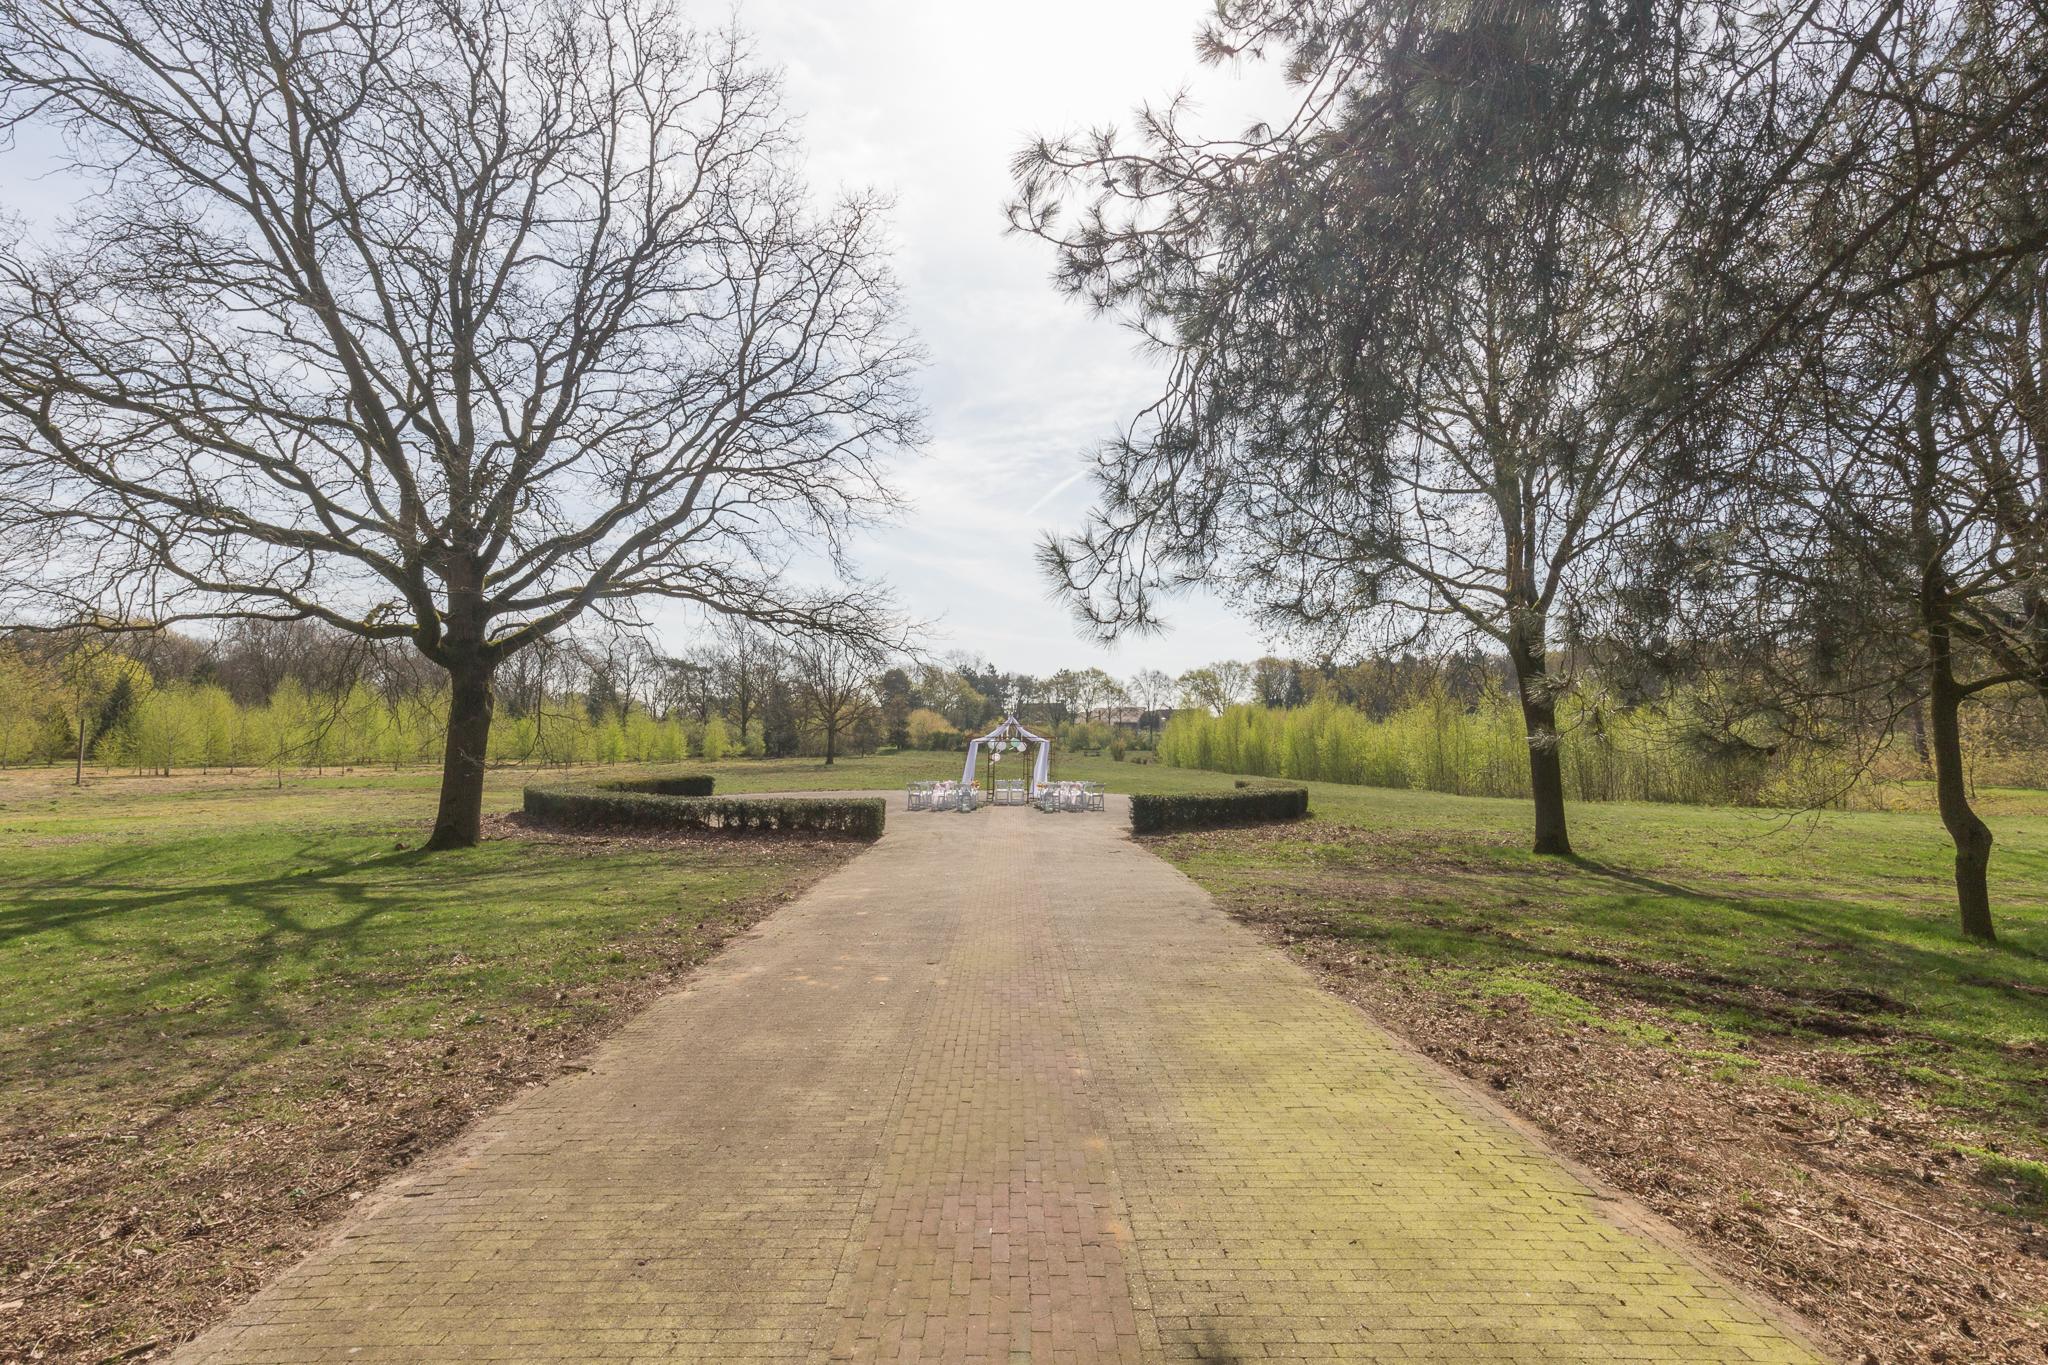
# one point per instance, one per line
(1005, 1088)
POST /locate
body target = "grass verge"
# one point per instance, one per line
(1768, 1029)
(228, 1009)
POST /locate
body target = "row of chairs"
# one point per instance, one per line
(1053, 796)
(1072, 796)
(944, 796)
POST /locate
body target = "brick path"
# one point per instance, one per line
(1005, 1088)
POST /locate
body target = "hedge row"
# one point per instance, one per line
(633, 804)
(679, 784)
(1253, 805)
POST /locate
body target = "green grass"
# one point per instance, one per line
(233, 944)
(1835, 931)
(1673, 925)
(190, 962)
(183, 929)
(2026, 1180)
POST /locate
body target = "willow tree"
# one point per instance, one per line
(444, 321)
(1410, 330)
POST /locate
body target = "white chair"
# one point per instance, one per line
(919, 796)
(1098, 798)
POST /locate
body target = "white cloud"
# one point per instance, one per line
(929, 100)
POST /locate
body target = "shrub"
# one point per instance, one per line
(1255, 805)
(653, 803)
(674, 784)
(717, 742)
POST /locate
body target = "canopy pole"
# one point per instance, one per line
(1011, 729)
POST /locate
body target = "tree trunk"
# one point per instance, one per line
(1971, 836)
(78, 772)
(831, 742)
(1539, 720)
(1546, 777)
(460, 821)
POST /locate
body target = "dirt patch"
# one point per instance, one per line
(147, 1232)
(1808, 1174)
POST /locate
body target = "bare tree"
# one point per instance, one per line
(1201, 689)
(745, 654)
(444, 321)
(1151, 689)
(833, 682)
(1093, 690)
(1235, 680)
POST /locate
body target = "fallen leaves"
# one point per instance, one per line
(1862, 1218)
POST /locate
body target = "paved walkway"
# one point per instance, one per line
(1005, 1088)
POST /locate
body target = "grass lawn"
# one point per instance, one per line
(1765, 1026)
(227, 1009)
(1768, 1028)
(1838, 930)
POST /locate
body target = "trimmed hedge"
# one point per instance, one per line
(648, 804)
(1251, 806)
(680, 784)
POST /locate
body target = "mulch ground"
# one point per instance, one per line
(1868, 1223)
(147, 1235)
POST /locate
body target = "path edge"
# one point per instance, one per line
(475, 1136)
(1622, 1207)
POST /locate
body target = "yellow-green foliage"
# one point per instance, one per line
(1439, 743)
(564, 731)
(717, 744)
(191, 725)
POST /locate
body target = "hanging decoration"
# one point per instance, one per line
(1010, 737)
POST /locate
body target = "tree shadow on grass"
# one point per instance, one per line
(1807, 964)
(1630, 877)
(189, 996)
(79, 904)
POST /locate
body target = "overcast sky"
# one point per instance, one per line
(929, 100)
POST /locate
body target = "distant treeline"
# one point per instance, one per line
(280, 695)
(1676, 749)
(293, 695)
(158, 727)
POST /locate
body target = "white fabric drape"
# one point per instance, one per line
(1041, 769)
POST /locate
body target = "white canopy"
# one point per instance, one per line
(1009, 737)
